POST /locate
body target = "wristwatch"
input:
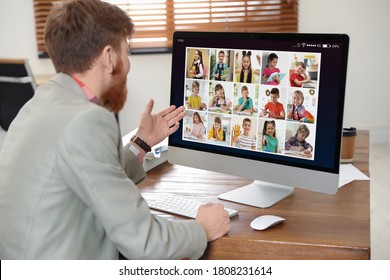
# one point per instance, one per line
(141, 143)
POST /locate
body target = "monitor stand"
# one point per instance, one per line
(259, 194)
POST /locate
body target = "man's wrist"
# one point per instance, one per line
(137, 150)
(141, 143)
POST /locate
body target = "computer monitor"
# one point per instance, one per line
(250, 137)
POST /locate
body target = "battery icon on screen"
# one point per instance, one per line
(326, 46)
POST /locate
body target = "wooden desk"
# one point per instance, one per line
(317, 226)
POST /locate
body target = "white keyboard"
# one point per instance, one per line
(181, 206)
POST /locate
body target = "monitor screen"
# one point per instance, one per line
(263, 106)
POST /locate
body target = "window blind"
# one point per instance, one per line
(156, 20)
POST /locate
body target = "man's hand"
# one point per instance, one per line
(214, 219)
(153, 128)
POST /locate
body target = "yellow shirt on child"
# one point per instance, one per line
(194, 101)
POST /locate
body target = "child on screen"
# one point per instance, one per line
(298, 111)
(194, 101)
(269, 141)
(299, 76)
(244, 140)
(216, 132)
(196, 70)
(197, 126)
(219, 99)
(245, 103)
(270, 69)
(298, 142)
(273, 109)
(220, 69)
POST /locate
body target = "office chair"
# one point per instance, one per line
(17, 86)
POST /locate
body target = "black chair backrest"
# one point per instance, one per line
(17, 86)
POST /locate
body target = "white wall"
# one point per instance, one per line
(17, 31)
(366, 22)
(149, 77)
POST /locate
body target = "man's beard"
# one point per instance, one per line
(115, 97)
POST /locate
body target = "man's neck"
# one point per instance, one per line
(93, 84)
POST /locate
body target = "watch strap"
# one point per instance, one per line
(141, 143)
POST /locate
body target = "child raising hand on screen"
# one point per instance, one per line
(244, 140)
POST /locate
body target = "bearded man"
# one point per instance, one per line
(67, 184)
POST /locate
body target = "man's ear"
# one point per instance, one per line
(108, 58)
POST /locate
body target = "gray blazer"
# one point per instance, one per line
(65, 191)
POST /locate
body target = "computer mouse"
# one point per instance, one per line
(266, 221)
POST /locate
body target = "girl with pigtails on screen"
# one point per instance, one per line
(269, 140)
(245, 73)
